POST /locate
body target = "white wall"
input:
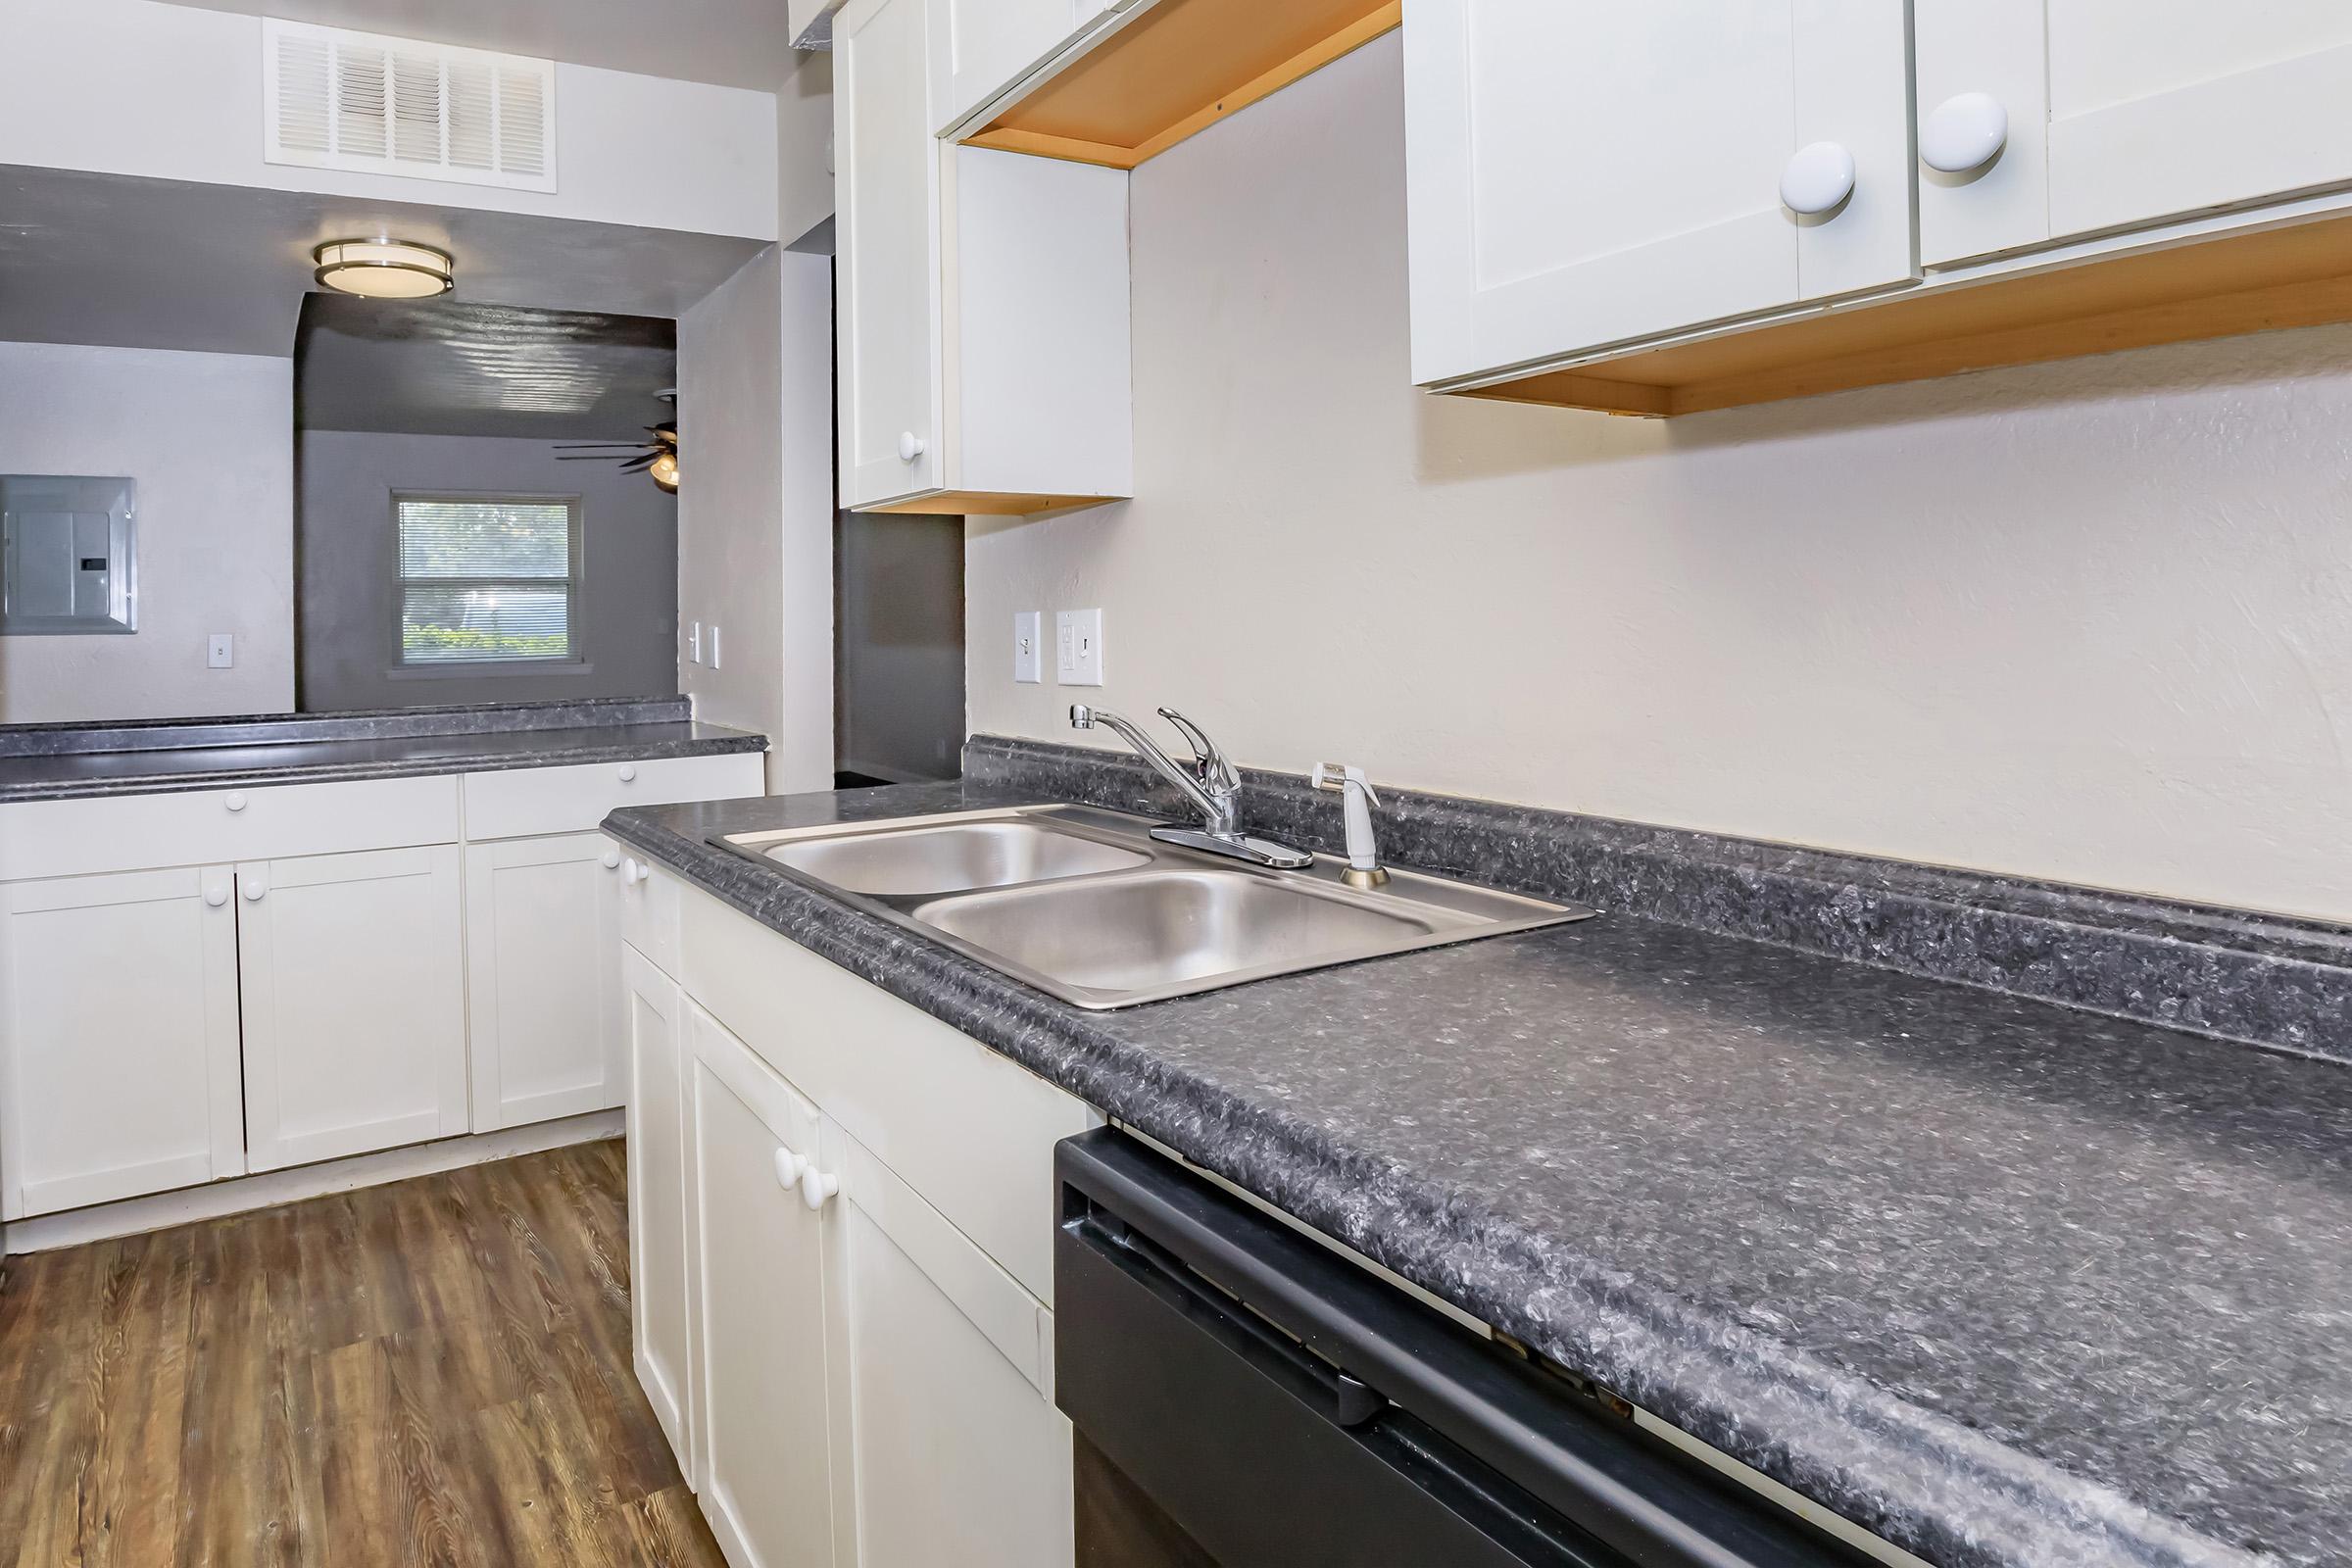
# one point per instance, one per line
(804, 147)
(2089, 620)
(209, 437)
(175, 92)
(756, 509)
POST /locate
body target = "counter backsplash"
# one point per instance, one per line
(2259, 979)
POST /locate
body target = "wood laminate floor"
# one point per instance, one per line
(432, 1373)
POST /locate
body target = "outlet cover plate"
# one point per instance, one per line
(1078, 647)
(1028, 650)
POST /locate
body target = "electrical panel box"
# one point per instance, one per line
(67, 561)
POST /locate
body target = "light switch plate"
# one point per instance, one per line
(1028, 654)
(1078, 647)
(694, 644)
(714, 644)
(221, 652)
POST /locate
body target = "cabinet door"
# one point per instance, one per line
(354, 992)
(981, 47)
(661, 1329)
(118, 1037)
(541, 947)
(947, 1444)
(2127, 113)
(887, 228)
(2160, 108)
(1585, 172)
(758, 1272)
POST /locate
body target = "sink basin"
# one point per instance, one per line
(952, 857)
(1086, 905)
(1157, 929)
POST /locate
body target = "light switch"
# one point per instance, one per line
(714, 644)
(694, 644)
(1078, 647)
(221, 652)
(1028, 657)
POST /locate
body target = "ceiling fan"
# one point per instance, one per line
(656, 458)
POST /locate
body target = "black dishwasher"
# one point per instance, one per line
(1245, 1397)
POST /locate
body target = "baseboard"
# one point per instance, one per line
(162, 1210)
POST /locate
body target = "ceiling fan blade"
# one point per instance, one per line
(584, 446)
(592, 456)
(639, 465)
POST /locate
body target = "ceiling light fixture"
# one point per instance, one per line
(385, 269)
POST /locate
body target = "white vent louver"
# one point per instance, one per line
(393, 106)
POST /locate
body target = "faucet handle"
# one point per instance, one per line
(1215, 770)
(1333, 778)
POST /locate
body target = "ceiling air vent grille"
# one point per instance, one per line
(392, 106)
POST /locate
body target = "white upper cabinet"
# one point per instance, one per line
(984, 356)
(1582, 172)
(887, 231)
(985, 46)
(2117, 114)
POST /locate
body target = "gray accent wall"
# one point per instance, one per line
(900, 674)
(624, 622)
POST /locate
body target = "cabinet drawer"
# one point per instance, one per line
(525, 801)
(649, 908)
(969, 1130)
(198, 827)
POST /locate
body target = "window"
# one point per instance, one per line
(487, 579)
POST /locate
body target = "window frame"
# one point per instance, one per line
(576, 551)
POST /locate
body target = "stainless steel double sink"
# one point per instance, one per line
(1084, 905)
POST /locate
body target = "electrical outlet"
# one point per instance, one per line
(1028, 656)
(221, 652)
(1078, 647)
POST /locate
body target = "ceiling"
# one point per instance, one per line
(441, 367)
(116, 262)
(735, 43)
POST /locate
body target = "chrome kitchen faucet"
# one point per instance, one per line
(1211, 782)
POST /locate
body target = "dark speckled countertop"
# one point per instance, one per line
(2003, 1282)
(58, 762)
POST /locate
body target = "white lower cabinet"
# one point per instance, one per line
(948, 1446)
(872, 1386)
(661, 1327)
(345, 967)
(758, 1294)
(353, 986)
(543, 947)
(118, 1037)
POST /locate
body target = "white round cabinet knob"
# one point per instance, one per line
(911, 446)
(817, 1187)
(612, 859)
(1963, 134)
(1817, 178)
(254, 891)
(215, 896)
(235, 802)
(788, 1167)
(628, 772)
